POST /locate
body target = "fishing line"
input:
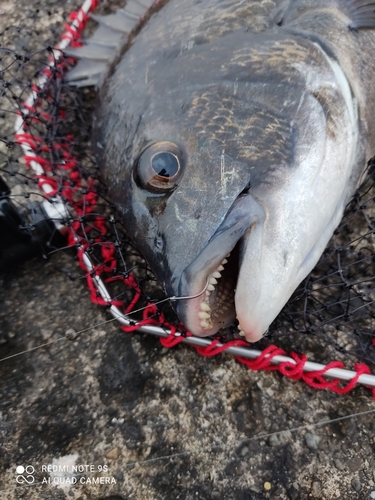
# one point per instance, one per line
(223, 448)
(125, 316)
(187, 297)
(58, 339)
(32, 349)
(245, 441)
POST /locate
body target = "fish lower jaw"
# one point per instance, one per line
(253, 320)
(241, 331)
(251, 335)
(250, 338)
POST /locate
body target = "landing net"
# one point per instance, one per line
(54, 187)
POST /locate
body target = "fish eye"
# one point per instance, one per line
(165, 164)
(160, 166)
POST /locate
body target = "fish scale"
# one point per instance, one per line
(261, 112)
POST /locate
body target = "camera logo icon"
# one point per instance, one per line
(25, 474)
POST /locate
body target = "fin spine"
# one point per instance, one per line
(100, 50)
(362, 13)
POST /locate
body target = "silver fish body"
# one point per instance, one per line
(231, 135)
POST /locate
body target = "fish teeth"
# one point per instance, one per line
(205, 307)
(215, 276)
(204, 315)
(206, 324)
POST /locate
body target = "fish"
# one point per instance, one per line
(231, 134)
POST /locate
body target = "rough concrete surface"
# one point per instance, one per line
(154, 423)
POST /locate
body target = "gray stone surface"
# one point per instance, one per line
(166, 423)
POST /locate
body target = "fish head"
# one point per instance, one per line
(178, 178)
(225, 187)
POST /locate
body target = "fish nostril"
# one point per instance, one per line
(246, 189)
(159, 243)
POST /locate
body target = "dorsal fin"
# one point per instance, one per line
(106, 36)
(362, 13)
(116, 22)
(101, 48)
(91, 51)
(86, 73)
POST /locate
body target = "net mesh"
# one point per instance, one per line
(331, 314)
(334, 306)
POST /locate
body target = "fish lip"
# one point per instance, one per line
(243, 214)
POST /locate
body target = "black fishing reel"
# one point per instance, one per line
(24, 233)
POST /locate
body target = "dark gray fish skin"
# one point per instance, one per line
(283, 109)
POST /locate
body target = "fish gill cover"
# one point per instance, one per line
(49, 173)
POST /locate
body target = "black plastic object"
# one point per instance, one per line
(24, 234)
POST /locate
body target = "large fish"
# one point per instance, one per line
(231, 135)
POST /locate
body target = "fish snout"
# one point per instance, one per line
(210, 280)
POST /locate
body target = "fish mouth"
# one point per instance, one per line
(216, 305)
(216, 269)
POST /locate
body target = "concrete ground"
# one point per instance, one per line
(143, 422)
